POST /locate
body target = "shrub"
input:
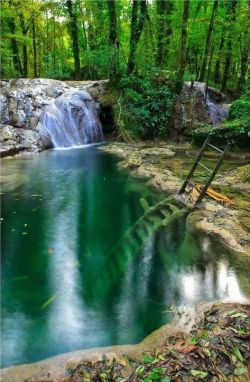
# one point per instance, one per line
(236, 129)
(240, 108)
(144, 104)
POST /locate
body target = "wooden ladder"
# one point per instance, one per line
(212, 173)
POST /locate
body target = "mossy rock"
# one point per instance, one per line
(234, 131)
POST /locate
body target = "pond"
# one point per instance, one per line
(63, 212)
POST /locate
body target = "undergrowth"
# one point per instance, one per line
(143, 105)
(236, 129)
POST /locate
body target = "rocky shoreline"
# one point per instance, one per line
(197, 329)
(229, 224)
(161, 167)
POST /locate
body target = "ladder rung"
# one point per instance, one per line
(215, 148)
(205, 167)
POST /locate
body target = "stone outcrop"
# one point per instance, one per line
(14, 140)
(23, 100)
(21, 104)
(198, 105)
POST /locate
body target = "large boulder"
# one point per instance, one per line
(22, 102)
(14, 140)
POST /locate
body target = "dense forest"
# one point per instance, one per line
(85, 39)
(125, 190)
(147, 48)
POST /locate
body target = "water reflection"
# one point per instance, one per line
(66, 316)
(56, 246)
(14, 335)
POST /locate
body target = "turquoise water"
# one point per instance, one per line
(63, 212)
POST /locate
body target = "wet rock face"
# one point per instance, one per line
(22, 102)
(14, 140)
(197, 104)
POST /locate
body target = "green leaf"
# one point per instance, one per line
(165, 379)
(240, 370)
(139, 371)
(158, 370)
(144, 204)
(238, 354)
(199, 373)
(49, 301)
(148, 359)
(194, 340)
(160, 357)
(206, 351)
(154, 375)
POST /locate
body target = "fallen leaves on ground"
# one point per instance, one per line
(217, 350)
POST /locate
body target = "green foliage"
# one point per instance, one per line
(236, 129)
(37, 41)
(240, 108)
(145, 103)
(55, 52)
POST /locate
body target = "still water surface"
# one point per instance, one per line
(63, 212)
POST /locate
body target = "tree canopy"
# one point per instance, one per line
(205, 40)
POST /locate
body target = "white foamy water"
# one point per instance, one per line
(72, 120)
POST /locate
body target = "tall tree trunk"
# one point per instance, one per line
(208, 41)
(14, 46)
(113, 39)
(209, 71)
(183, 50)
(243, 69)
(218, 62)
(90, 30)
(164, 9)
(74, 37)
(34, 47)
(54, 44)
(227, 66)
(244, 59)
(46, 49)
(83, 29)
(229, 47)
(25, 54)
(139, 12)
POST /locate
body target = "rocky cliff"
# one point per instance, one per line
(21, 104)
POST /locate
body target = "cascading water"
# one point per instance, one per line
(71, 120)
(217, 110)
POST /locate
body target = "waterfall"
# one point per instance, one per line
(218, 111)
(71, 120)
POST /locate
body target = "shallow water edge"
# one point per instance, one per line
(55, 368)
(87, 352)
